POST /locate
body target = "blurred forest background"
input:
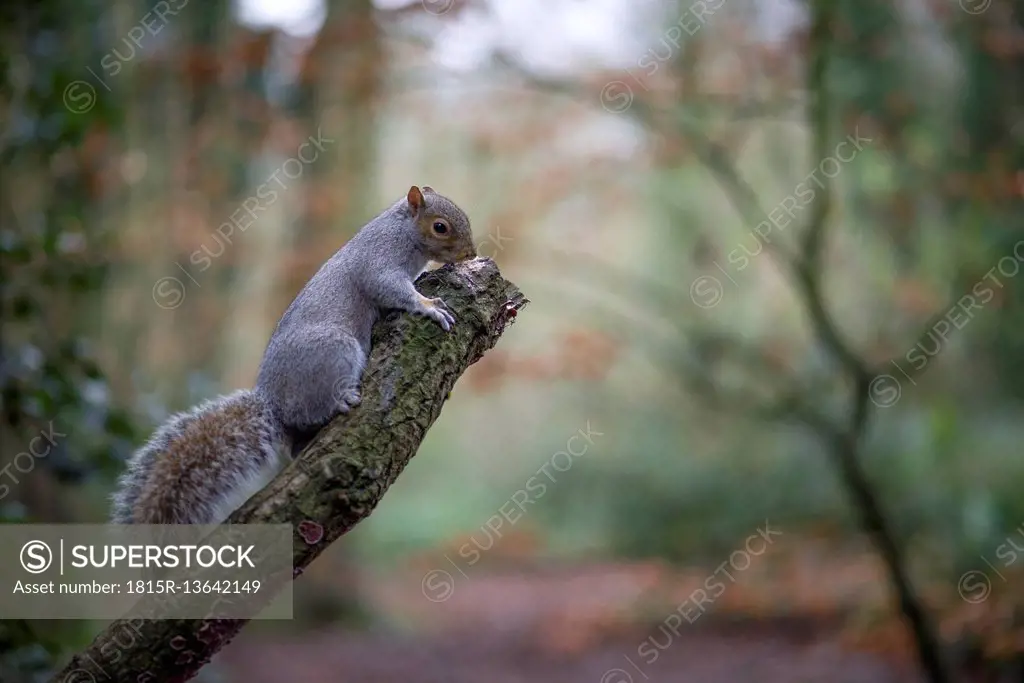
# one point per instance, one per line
(756, 325)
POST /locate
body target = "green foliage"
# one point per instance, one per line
(50, 261)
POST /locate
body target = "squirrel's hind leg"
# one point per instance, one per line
(321, 380)
(344, 365)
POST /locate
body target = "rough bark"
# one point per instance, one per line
(342, 475)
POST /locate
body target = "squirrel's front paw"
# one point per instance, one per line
(437, 310)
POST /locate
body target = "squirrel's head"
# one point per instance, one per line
(443, 227)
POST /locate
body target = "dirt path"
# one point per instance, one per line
(562, 627)
(488, 657)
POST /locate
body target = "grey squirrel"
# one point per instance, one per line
(201, 465)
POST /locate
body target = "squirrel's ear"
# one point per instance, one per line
(415, 199)
(427, 188)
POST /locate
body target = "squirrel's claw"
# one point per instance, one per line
(443, 318)
(347, 399)
(437, 310)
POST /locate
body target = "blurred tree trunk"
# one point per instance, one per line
(260, 238)
(178, 176)
(340, 89)
(340, 84)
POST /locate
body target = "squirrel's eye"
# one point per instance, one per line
(440, 228)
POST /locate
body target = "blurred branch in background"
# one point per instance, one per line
(713, 350)
(845, 443)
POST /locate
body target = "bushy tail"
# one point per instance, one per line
(202, 464)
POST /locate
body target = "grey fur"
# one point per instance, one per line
(312, 368)
(310, 372)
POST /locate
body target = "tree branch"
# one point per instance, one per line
(342, 475)
(846, 445)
